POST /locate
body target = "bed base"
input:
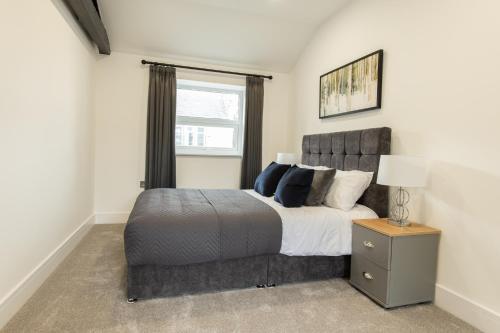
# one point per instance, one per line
(151, 281)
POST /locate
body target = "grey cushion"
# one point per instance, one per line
(322, 181)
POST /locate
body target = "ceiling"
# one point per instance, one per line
(264, 34)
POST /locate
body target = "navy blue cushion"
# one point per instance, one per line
(294, 187)
(268, 179)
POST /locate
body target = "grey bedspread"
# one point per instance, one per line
(188, 226)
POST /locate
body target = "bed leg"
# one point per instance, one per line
(131, 300)
(260, 286)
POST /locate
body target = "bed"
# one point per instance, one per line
(184, 241)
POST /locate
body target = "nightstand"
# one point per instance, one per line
(393, 265)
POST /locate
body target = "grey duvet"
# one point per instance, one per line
(188, 226)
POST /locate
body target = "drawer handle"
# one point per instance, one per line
(368, 244)
(367, 276)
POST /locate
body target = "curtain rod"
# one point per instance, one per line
(145, 62)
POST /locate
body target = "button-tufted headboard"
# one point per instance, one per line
(353, 150)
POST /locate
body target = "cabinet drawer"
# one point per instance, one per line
(372, 245)
(369, 277)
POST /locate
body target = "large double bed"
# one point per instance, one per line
(180, 241)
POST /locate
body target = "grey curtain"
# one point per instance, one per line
(160, 142)
(251, 164)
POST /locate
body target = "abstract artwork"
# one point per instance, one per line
(354, 87)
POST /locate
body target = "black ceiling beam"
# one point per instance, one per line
(89, 18)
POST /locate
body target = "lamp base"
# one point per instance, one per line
(399, 211)
(399, 223)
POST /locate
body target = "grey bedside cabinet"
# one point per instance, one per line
(393, 265)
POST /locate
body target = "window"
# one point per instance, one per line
(209, 118)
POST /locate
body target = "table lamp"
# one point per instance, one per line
(287, 158)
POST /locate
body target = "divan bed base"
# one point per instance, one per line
(151, 281)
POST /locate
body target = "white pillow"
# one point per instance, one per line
(347, 188)
(319, 167)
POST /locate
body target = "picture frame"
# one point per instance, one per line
(352, 88)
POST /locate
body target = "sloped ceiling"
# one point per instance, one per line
(264, 34)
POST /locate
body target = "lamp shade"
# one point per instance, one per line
(287, 158)
(404, 171)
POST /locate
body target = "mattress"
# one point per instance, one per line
(318, 230)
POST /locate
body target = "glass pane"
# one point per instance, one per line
(178, 135)
(204, 136)
(207, 104)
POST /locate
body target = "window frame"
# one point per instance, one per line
(238, 126)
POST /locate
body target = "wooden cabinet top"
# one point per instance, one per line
(382, 226)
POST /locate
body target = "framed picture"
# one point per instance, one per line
(354, 87)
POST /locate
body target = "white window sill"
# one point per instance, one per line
(207, 155)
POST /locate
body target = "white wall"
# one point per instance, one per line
(440, 96)
(121, 102)
(46, 142)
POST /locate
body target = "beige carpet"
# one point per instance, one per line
(87, 294)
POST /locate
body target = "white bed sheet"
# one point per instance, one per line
(322, 231)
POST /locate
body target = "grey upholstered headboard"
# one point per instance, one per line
(353, 150)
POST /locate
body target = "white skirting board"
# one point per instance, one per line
(460, 306)
(111, 217)
(16, 298)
